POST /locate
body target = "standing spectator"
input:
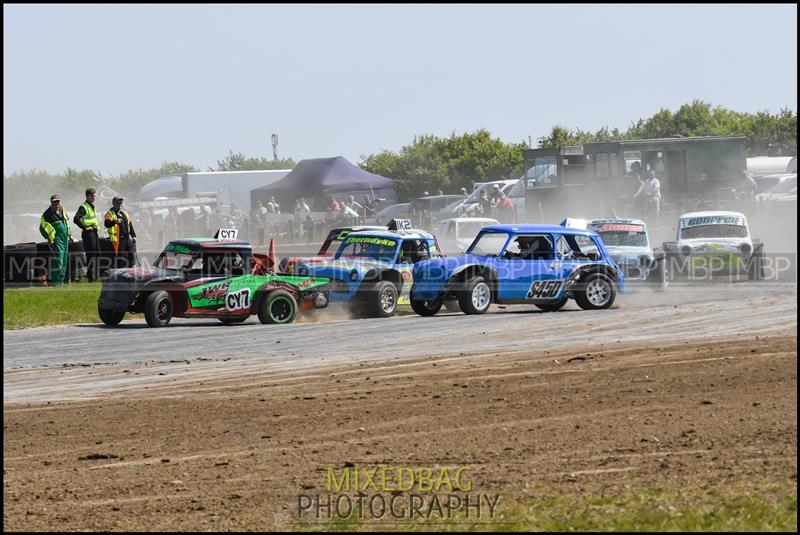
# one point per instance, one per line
(504, 208)
(485, 204)
(86, 219)
(302, 208)
(301, 213)
(272, 206)
(239, 216)
(259, 211)
(464, 192)
(348, 213)
(354, 205)
(369, 207)
(171, 225)
(54, 226)
(652, 194)
(333, 205)
(121, 233)
(749, 187)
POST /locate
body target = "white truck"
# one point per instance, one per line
(228, 187)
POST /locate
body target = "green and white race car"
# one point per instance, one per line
(209, 278)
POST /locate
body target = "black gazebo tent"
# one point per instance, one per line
(318, 178)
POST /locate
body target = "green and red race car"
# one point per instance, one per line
(209, 278)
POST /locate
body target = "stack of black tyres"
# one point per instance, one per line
(18, 262)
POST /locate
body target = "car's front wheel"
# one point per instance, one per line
(476, 297)
(158, 309)
(278, 306)
(426, 308)
(109, 316)
(595, 292)
(383, 296)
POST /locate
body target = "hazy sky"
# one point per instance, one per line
(119, 87)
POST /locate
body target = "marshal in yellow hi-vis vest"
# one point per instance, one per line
(114, 230)
(89, 218)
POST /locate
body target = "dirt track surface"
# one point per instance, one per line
(672, 395)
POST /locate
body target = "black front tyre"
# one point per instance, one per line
(278, 306)
(426, 308)
(755, 270)
(552, 307)
(383, 299)
(158, 309)
(476, 297)
(595, 292)
(109, 316)
(658, 275)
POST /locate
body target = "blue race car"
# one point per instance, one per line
(372, 269)
(532, 264)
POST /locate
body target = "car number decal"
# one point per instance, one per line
(544, 289)
(238, 300)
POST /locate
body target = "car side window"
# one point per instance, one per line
(530, 247)
(412, 251)
(237, 265)
(577, 247)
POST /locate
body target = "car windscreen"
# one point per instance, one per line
(333, 240)
(488, 244)
(174, 260)
(372, 247)
(624, 238)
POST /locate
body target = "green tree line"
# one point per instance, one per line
(431, 163)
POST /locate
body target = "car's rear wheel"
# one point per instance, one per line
(158, 309)
(278, 306)
(595, 292)
(426, 308)
(109, 316)
(552, 307)
(476, 297)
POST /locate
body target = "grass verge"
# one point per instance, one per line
(769, 507)
(51, 305)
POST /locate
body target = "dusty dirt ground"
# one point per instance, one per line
(234, 453)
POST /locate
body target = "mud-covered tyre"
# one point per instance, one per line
(426, 308)
(596, 292)
(476, 297)
(382, 299)
(109, 316)
(658, 275)
(755, 271)
(451, 305)
(278, 306)
(158, 309)
(552, 307)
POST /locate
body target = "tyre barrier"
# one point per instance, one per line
(32, 262)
